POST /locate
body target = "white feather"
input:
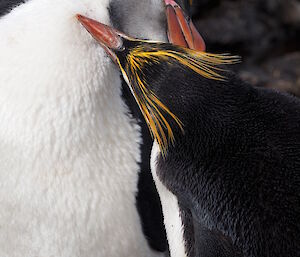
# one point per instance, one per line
(68, 151)
(171, 211)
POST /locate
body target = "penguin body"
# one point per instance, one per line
(70, 149)
(234, 175)
(226, 157)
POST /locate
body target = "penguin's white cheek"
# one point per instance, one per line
(171, 212)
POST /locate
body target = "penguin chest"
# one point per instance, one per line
(171, 211)
(82, 206)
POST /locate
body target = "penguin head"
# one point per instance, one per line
(144, 65)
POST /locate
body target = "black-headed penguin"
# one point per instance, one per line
(226, 157)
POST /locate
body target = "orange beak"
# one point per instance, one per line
(109, 38)
(181, 30)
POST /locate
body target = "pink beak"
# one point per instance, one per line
(181, 30)
(109, 38)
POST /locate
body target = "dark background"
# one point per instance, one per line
(266, 33)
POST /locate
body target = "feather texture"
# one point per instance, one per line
(148, 54)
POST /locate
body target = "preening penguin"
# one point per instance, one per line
(227, 155)
(70, 150)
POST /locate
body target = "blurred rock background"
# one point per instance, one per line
(266, 33)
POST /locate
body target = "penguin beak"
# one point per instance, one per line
(109, 38)
(181, 30)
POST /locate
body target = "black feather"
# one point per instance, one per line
(7, 5)
(236, 169)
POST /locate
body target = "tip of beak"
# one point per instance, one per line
(83, 19)
(78, 16)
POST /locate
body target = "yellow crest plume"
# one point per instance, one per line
(148, 53)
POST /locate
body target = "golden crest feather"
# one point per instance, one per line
(205, 64)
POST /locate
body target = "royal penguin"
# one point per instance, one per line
(70, 144)
(226, 156)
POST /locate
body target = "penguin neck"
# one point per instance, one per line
(204, 106)
(65, 94)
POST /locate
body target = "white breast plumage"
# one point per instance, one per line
(171, 211)
(69, 152)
